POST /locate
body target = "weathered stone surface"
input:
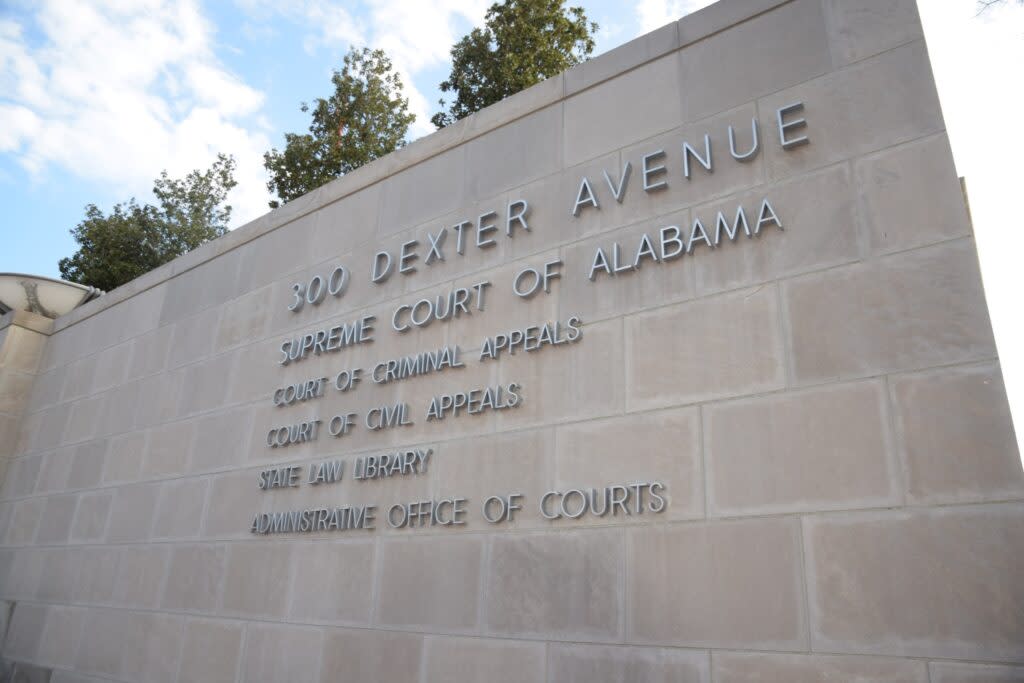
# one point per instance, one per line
(813, 450)
(957, 435)
(735, 667)
(932, 583)
(680, 578)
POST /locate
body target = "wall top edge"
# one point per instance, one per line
(615, 62)
(28, 320)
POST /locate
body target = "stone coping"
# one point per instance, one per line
(28, 320)
(690, 29)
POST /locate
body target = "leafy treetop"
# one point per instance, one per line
(522, 43)
(136, 238)
(366, 118)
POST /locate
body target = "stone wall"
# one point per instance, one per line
(822, 402)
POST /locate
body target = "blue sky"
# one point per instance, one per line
(98, 96)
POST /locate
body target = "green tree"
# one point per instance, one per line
(136, 238)
(366, 118)
(522, 43)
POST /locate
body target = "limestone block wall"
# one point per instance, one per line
(821, 402)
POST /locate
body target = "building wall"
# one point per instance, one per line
(822, 403)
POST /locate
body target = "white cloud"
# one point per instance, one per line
(115, 92)
(652, 14)
(416, 35)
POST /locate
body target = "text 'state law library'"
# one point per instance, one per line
(676, 367)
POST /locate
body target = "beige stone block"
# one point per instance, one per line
(62, 635)
(78, 379)
(45, 429)
(927, 583)
(22, 475)
(192, 338)
(543, 603)
(281, 653)
(496, 465)
(54, 471)
(906, 311)
(97, 570)
(63, 676)
(256, 374)
(204, 385)
(617, 664)
(742, 667)
(863, 28)
(956, 435)
(659, 447)
(717, 17)
(651, 284)
(627, 108)
(158, 398)
(9, 428)
(211, 652)
(450, 567)
(478, 659)
(957, 672)
(775, 50)
(243, 320)
(149, 353)
(220, 440)
(891, 181)
(25, 631)
(45, 391)
(330, 582)
(717, 584)
(25, 573)
(876, 103)
(622, 58)
(260, 574)
(111, 367)
(140, 575)
(206, 285)
(430, 188)
(285, 249)
(153, 650)
(712, 348)
(516, 153)
(569, 382)
(167, 449)
(55, 523)
(551, 202)
(15, 390)
(57, 575)
(366, 655)
(815, 233)
(195, 578)
(87, 465)
(233, 499)
(350, 221)
(827, 448)
(124, 458)
(83, 419)
(120, 406)
(91, 516)
(131, 515)
(103, 641)
(179, 508)
(25, 517)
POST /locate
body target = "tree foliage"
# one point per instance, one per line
(136, 238)
(522, 43)
(366, 118)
